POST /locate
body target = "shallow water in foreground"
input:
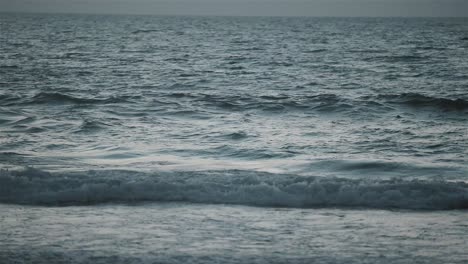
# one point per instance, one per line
(188, 233)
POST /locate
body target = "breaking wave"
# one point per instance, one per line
(35, 187)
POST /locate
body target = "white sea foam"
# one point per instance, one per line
(231, 187)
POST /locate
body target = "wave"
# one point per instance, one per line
(245, 153)
(9, 67)
(9, 99)
(36, 187)
(266, 103)
(144, 31)
(324, 103)
(315, 50)
(46, 98)
(398, 58)
(237, 135)
(89, 126)
(61, 98)
(419, 100)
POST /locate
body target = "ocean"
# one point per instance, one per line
(187, 139)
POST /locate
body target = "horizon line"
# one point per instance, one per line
(214, 15)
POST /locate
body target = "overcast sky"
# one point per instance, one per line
(246, 7)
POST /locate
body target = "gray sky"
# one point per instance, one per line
(246, 7)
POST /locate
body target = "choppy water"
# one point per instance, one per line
(273, 112)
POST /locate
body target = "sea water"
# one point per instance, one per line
(160, 139)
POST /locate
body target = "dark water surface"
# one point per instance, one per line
(139, 139)
(380, 102)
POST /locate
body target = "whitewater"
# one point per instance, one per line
(170, 139)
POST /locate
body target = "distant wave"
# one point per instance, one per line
(324, 103)
(37, 187)
(91, 126)
(237, 135)
(9, 99)
(144, 31)
(267, 103)
(315, 50)
(9, 67)
(44, 98)
(420, 100)
(321, 102)
(60, 98)
(398, 58)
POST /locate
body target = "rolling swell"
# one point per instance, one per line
(35, 187)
